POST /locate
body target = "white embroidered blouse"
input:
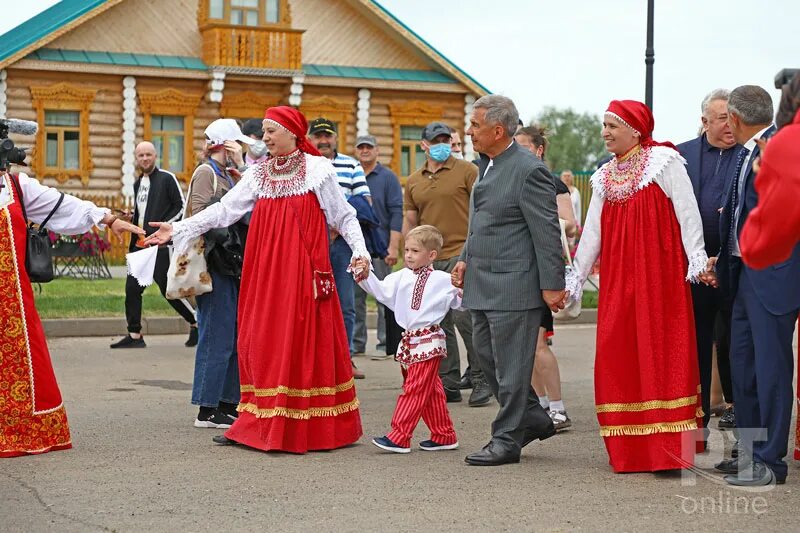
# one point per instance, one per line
(415, 305)
(73, 216)
(667, 169)
(320, 179)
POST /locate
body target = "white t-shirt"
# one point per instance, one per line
(141, 199)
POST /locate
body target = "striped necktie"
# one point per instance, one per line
(735, 198)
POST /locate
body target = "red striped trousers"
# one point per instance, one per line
(422, 397)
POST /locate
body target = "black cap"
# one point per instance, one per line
(434, 129)
(254, 126)
(319, 125)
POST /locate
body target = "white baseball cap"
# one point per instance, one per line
(226, 129)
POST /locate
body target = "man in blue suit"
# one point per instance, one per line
(765, 307)
(711, 162)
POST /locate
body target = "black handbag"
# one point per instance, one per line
(38, 256)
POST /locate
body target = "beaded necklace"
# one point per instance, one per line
(622, 175)
(282, 175)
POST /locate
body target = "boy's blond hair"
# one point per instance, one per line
(428, 236)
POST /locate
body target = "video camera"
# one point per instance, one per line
(9, 153)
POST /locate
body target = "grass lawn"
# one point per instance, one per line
(71, 298)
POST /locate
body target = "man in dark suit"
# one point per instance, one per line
(765, 307)
(506, 287)
(711, 162)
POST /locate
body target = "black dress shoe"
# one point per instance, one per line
(193, 335)
(757, 475)
(129, 342)
(728, 466)
(532, 435)
(222, 440)
(491, 456)
(466, 381)
(452, 395)
(481, 394)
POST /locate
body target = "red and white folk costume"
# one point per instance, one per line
(32, 416)
(420, 300)
(297, 389)
(644, 222)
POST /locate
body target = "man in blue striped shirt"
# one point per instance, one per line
(322, 134)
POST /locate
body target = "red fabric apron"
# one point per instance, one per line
(32, 417)
(294, 360)
(647, 383)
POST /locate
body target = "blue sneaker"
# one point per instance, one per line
(385, 444)
(431, 446)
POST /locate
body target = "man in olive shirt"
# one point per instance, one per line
(438, 194)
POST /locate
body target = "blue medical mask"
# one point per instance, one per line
(440, 152)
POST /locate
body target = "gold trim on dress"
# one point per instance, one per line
(299, 414)
(646, 406)
(648, 429)
(299, 393)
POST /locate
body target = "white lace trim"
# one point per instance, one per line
(697, 265)
(313, 179)
(622, 121)
(660, 158)
(573, 283)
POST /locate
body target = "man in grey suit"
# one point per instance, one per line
(510, 268)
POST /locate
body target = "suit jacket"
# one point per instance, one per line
(165, 202)
(513, 247)
(777, 286)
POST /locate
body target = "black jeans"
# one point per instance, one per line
(712, 319)
(133, 295)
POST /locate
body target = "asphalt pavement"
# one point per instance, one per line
(138, 464)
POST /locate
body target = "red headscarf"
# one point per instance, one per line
(294, 121)
(638, 117)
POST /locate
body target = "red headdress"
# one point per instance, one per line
(293, 121)
(638, 117)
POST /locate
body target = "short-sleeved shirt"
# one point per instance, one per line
(350, 176)
(441, 199)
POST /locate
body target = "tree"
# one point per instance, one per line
(574, 139)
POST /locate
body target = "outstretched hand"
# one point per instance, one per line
(162, 236)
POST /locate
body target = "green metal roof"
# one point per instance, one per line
(371, 73)
(40, 26)
(426, 43)
(117, 58)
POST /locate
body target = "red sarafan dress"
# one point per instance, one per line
(642, 221)
(32, 415)
(297, 388)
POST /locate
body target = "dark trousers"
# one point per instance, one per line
(450, 366)
(505, 348)
(133, 295)
(712, 318)
(394, 333)
(762, 367)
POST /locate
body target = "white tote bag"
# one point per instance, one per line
(573, 308)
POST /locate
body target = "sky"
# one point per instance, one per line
(584, 53)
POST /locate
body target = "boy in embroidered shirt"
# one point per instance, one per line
(420, 298)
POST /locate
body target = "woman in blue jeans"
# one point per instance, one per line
(216, 371)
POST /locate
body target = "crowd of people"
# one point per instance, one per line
(297, 234)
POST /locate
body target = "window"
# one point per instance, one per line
(249, 12)
(62, 142)
(412, 156)
(168, 136)
(62, 134)
(169, 125)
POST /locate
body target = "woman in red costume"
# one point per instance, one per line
(32, 416)
(772, 229)
(644, 222)
(297, 391)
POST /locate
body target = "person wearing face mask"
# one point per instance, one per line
(256, 152)
(438, 195)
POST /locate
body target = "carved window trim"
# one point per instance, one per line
(62, 97)
(412, 113)
(246, 104)
(174, 103)
(336, 110)
(284, 15)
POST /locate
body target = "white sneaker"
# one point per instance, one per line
(560, 420)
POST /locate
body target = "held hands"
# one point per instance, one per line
(555, 300)
(162, 236)
(457, 275)
(360, 269)
(709, 277)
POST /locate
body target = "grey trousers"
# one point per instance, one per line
(505, 342)
(450, 367)
(360, 330)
